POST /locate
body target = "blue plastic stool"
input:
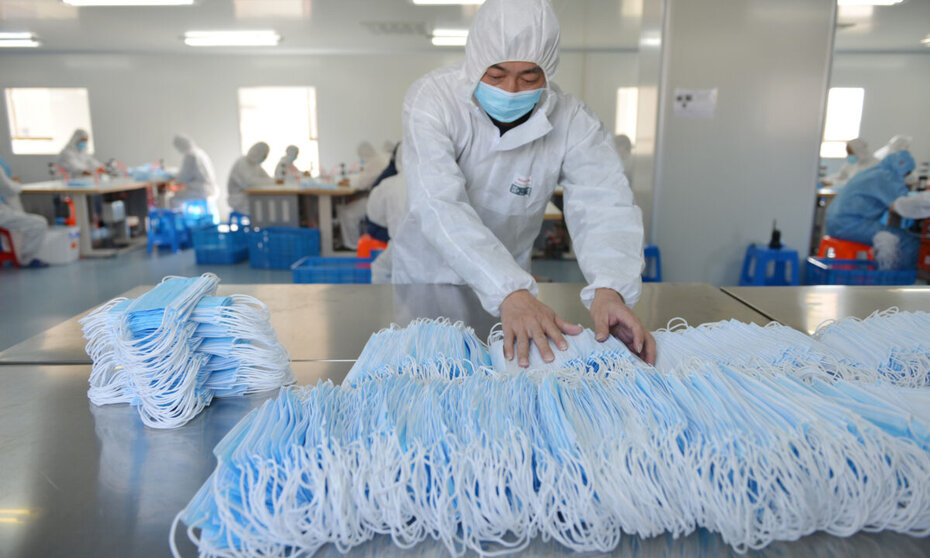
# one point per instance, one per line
(756, 263)
(197, 214)
(239, 219)
(653, 270)
(167, 228)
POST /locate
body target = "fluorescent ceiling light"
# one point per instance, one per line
(231, 38)
(23, 39)
(450, 37)
(867, 2)
(92, 3)
(447, 2)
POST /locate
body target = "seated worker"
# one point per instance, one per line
(74, 157)
(196, 174)
(286, 168)
(386, 203)
(485, 144)
(28, 230)
(247, 172)
(858, 158)
(856, 212)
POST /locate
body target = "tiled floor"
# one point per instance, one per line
(33, 300)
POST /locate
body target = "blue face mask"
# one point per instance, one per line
(851, 159)
(504, 106)
(82, 146)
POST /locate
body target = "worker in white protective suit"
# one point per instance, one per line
(247, 172)
(485, 144)
(196, 174)
(74, 157)
(387, 202)
(352, 215)
(28, 230)
(286, 168)
(858, 158)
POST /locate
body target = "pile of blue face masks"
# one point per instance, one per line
(173, 349)
(769, 436)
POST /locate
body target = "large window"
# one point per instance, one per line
(281, 116)
(43, 119)
(844, 116)
(627, 99)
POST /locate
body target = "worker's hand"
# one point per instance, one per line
(524, 318)
(612, 316)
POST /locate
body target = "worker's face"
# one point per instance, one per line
(514, 77)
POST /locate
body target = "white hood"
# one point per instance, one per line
(512, 31)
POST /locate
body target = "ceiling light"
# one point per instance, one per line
(450, 37)
(925, 41)
(448, 2)
(18, 40)
(231, 38)
(867, 2)
(99, 3)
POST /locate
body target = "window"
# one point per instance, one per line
(844, 116)
(281, 116)
(43, 119)
(627, 99)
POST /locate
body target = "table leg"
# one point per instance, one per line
(325, 208)
(86, 246)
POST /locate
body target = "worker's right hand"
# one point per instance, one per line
(524, 318)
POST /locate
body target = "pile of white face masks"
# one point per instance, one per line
(758, 434)
(173, 349)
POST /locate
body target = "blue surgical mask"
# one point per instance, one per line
(851, 159)
(82, 146)
(504, 106)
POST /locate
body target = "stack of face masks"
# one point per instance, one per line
(175, 348)
(758, 434)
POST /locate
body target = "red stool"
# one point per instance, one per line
(7, 255)
(366, 244)
(839, 249)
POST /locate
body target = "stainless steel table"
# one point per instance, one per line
(805, 308)
(333, 322)
(83, 481)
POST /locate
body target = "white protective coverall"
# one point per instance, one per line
(476, 198)
(75, 161)
(286, 168)
(387, 203)
(247, 172)
(352, 214)
(625, 150)
(27, 230)
(864, 160)
(196, 173)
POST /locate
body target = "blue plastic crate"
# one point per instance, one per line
(280, 247)
(823, 271)
(221, 244)
(332, 270)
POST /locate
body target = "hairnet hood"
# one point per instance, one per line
(859, 148)
(291, 150)
(258, 152)
(77, 136)
(512, 31)
(899, 162)
(183, 143)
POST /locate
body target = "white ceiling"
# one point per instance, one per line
(306, 25)
(347, 26)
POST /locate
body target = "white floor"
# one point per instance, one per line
(33, 300)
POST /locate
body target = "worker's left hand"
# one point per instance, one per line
(612, 316)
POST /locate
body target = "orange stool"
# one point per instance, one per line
(7, 255)
(839, 249)
(366, 244)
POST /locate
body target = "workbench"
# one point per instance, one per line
(84, 481)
